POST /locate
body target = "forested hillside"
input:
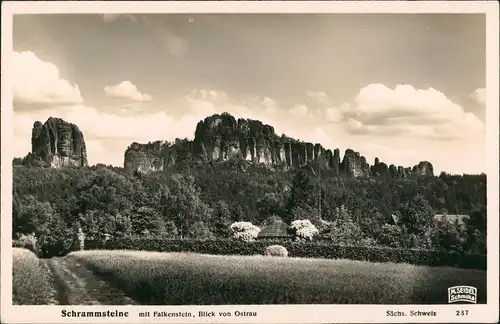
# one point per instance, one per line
(201, 201)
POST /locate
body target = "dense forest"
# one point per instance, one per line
(201, 201)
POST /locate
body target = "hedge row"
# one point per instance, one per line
(296, 249)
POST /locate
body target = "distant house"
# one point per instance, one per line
(460, 220)
(276, 230)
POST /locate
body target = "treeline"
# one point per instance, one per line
(202, 201)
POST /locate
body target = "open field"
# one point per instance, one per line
(30, 279)
(60, 281)
(185, 278)
(101, 277)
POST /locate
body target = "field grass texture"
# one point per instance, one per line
(157, 278)
(30, 280)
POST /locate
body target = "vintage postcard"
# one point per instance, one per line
(250, 162)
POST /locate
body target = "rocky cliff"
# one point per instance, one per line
(222, 138)
(58, 143)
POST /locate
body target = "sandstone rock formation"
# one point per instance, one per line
(379, 169)
(58, 143)
(423, 168)
(222, 138)
(355, 165)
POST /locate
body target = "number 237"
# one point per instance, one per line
(462, 312)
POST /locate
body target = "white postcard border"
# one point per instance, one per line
(271, 313)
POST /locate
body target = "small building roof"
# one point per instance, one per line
(277, 228)
(394, 220)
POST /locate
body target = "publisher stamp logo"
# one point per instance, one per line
(465, 294)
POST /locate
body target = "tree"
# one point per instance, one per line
(185, 207)
(31, 216)
(221, 219)
(477, 219)
(417, 215)
(238, 213)
(305, 212)
(58, 237)
(144, 218)
(122, 225)
(476, 241)
(17, 220)
(270, 204)
(343, 230)
(476, 231)
(390, 235)
(270, 220)
(201, 231)
(372, 222)
(447, 236)
(168, 229)
(300, 195)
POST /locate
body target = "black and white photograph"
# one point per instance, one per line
(175, 158)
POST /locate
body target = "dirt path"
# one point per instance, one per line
(74, 284)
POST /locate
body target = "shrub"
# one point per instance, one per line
(343, 230)
(303, 229)
(390, 235)
(276, 250)
(26, 242)
(244, 231)
(301, 249)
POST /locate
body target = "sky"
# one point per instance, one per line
(400, 87)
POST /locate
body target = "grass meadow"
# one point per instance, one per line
(30, 281)
(157, 278)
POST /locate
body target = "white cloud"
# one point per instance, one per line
(404, 110)
(270, 105)
(332, 114)
(355, 124)
(300, 110)
(39, 82)
(126, 90)
(320, 97)
(204, 103)
(479, 95)
(209, 95)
